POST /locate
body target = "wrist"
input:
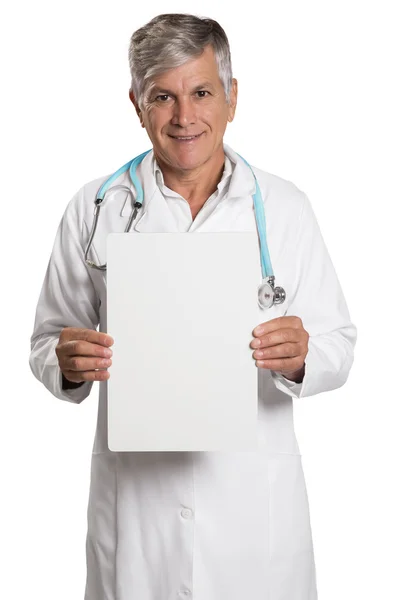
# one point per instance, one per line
(69, 385)
(295, 376)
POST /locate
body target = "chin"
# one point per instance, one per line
(188, 159)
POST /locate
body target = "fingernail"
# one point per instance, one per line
(256, 343)
(258, 330)
(259, 363)
(107, 352)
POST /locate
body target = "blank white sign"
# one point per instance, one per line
(181, 308)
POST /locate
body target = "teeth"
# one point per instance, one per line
(186, 138)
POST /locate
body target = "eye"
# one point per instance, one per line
(162, 96)
(202, 92)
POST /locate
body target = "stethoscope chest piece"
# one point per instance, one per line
(268, 295)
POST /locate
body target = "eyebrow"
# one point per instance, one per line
(201, 86)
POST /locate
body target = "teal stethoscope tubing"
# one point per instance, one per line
(268, 294)
(266, 265)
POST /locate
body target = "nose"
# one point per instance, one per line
(184, 112)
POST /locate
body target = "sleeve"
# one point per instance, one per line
(67, 299)
(318, 300)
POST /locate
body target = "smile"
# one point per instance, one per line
(187, 138)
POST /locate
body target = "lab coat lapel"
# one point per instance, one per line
(155, 215)
(237, 201)
(242, 182)
(157, 218)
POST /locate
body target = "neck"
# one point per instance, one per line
(195, 185)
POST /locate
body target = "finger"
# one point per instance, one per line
(280, 364)
(279, 336)
(79, 376)
(83, 348)
(88, 335)
(82, 363)
(277, 323)
(288, 350)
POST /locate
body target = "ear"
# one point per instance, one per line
(135, 104)
(233, 100)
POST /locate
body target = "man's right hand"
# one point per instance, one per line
(81, 351)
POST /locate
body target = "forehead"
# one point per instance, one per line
(195, 73)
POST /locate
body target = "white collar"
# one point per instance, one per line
(159, 177)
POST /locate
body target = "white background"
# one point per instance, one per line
(319, 105)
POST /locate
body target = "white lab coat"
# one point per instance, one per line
(201, 525)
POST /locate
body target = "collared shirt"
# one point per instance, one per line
(180, 207)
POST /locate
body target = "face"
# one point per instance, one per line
(188, 101)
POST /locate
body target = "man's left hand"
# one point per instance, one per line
(281, 345)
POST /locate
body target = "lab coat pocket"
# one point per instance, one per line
(289, 517)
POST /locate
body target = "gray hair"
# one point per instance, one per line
(168, 41)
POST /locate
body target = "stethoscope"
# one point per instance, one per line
(268, 294)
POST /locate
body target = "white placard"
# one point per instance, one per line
(181, 308)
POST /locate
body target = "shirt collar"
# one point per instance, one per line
(226, 175)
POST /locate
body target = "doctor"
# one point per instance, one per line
(181, 525)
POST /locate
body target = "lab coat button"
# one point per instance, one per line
(186, 513)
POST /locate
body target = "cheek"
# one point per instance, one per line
(156, 121)
(214, 116)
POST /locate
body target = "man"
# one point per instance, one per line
(202, 525)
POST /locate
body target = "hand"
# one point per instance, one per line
(281, 345)
(81, 351)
